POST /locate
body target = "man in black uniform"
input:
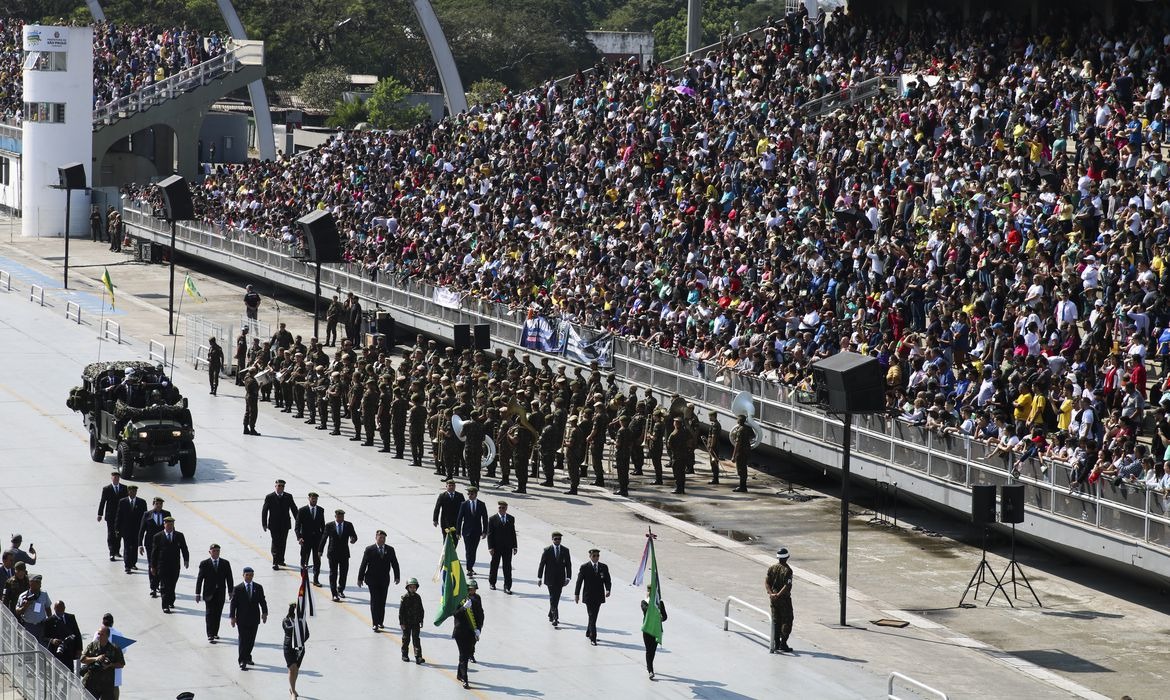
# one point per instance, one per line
(447, 509)
(418, 425)
(251, 402)
(502, 545)
(129, 518)
(377, 562)
(214, 364)
(276, 517)
(339, 535)
(108, 509)
(150, 525)
(593, 577)
(213, 584)
(164, 561)
(310, 528)
(555, 570)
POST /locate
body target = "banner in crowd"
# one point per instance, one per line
(538, 333)
(585, 346)
(446, 298)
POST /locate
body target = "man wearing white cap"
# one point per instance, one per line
(778, 584)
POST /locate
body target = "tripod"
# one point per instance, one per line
(1014, 568)
(981, 576)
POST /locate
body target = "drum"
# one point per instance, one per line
(265, 377)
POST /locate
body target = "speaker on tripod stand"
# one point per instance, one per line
(1011, 510)
(983, 513)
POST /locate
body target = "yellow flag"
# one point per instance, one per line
(192, 290)
(109, 285)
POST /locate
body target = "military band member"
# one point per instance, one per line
(356, 392)
(637, 427)
(597, 442)
(676, 447)
(473, 447)
(549, 441)
(336, 396)
(399, 408)
(713, 434)
(656, 440)
(742, 436)
(623, 446)
(251, 402)
(521, 438)
(575, 451)
(418, 423)
(505, 449)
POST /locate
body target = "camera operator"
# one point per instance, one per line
(98, 664)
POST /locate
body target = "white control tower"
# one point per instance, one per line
(58, 126)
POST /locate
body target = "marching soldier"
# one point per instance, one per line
(385, 398)
(418, 423)
(638, 430)
(452, 447)
(214, 364)
(322, 393)
(335, 394)
(356, 392)
(537, 420)
(656, 440)
(491, 427)
(691, 425)
(623, 445)
(521, 438)
(742, 436)
(311, 381)
(399, 408)
(549, 441)
(435, 431)
(713, 445)
(473, 447)
(251, 402)
(676, 447)
(576, 451)
(299, 373)
(597, 441)
(505, 448)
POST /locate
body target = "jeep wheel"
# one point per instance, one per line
(187, 460)
(125, 462)
(96, 451)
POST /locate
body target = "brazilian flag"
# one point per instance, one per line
(454, 583)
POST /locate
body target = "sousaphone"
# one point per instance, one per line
(489, 445)
(744, 405)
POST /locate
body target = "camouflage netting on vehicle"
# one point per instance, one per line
(176, 412)
(96, 369)
(79, 399)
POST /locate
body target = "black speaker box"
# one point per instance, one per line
(850, 383)
(462, 336)
(321, 237)
(385, 325)
(983, 504)
(483, 336)
(1011, 504)
(72, 177)
(177, 197)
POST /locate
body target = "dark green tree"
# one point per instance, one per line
(387, 107)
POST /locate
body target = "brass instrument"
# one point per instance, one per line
(521, 414)
(489, 445)
(678, 407)
(744, 405)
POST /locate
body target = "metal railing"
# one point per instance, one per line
(916, 685)
(157, 352)
(945, 458)
(31, 670)
(36, 293)
(858, 92)
(5, 280)
(729, 620)
(73, 311)
(111, 330)
(199, 329)
(242, 53)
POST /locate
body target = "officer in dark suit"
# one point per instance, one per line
(310, 528)
(62, 635)
(247, 611)
(447, 509)
(276, 517)
(377, 562)
(339, 535)
(129, 517)
(214, 584)
(151, 524)
(555, 570)
(108, 508)
(501, 538)
(593, 577)
(164, 561)
(471, 524)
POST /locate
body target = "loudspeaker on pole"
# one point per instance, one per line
(462, 336)
(1011, 504)
(177, 199)
(983, 504)
(321, 237)
(483, 336)
(71, 177)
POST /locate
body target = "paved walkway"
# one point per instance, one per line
(53, 483)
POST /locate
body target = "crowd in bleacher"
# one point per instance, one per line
(995, 233)
(126, 59)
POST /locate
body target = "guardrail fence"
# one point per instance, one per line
(953, 459)
(728, 620)
(157, 352)
(30, 670)
(36, 293)
(5, 280)
(111, 331)
(73, 311)
(916, 687)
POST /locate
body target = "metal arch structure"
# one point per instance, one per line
(265, 139)
(453, 93)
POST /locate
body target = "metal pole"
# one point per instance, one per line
(68, 203)
(694, 25)
(317, 304)
(843, 576)
(171, 293)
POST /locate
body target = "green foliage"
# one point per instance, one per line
(485, 91)
(347, 115)
(324, 87)
(667, 19)
(387, 109)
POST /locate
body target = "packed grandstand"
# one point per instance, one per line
(126, 59)
(994, 231)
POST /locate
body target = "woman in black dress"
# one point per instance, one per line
(293, 654)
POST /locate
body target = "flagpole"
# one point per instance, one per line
(101, 324)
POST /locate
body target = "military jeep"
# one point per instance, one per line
(130, 408)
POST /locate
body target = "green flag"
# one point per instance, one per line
(192, 290)
(652, 623)
(108, 284)
(454, 583)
